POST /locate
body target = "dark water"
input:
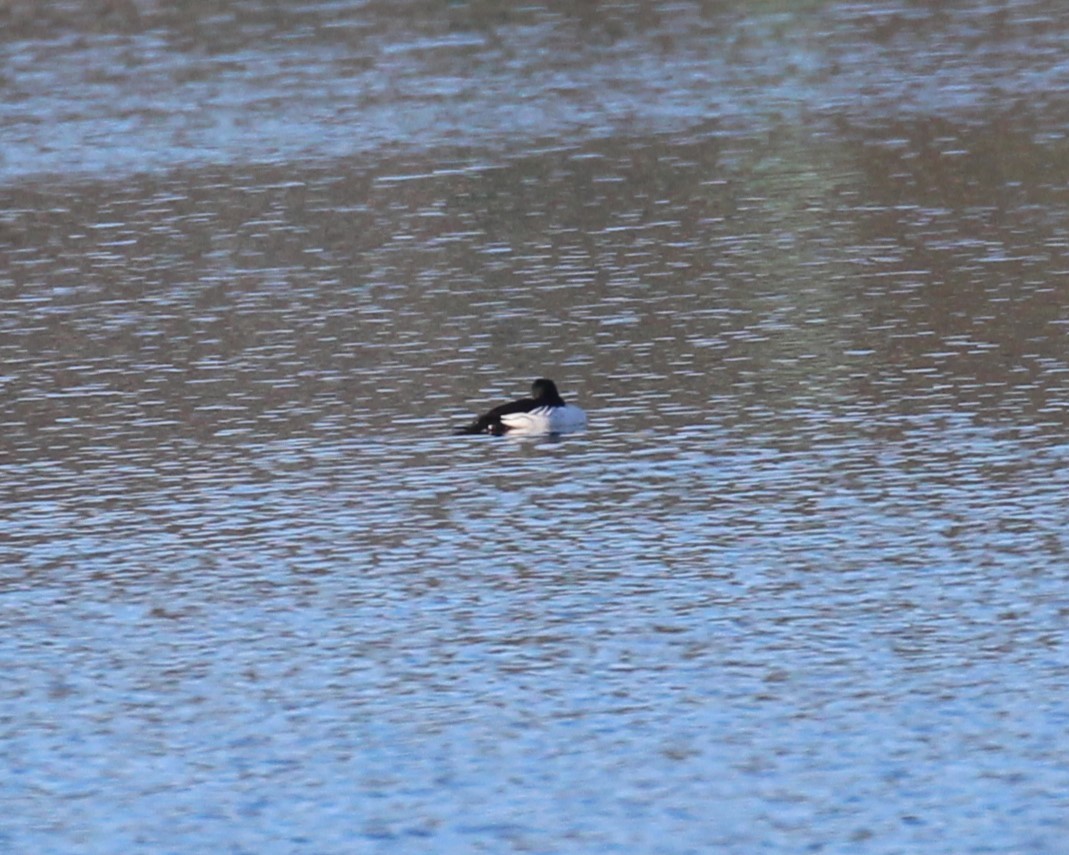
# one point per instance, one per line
(800, 586)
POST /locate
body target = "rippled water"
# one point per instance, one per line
(800, 586)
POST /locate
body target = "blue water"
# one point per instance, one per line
(94, 91)
(801, 586)
(616, 642)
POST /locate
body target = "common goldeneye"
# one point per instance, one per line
(544, 412)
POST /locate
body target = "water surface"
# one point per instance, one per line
(800, 586)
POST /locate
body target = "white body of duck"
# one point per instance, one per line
(544, 412)
(545, 420)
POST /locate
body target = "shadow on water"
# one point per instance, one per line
(323, 299)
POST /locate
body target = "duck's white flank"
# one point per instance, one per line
(546, 420)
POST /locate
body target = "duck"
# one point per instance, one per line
(544, 412)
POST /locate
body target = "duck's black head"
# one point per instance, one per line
(545, 392)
